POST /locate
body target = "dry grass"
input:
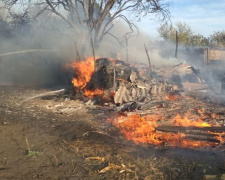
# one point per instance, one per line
(103, 161)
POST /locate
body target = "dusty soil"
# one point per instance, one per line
(44, 139)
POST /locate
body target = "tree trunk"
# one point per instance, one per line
(176, 44)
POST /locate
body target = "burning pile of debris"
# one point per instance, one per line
(116, 81)
(149, 108)
(179, 131)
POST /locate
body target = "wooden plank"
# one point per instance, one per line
(190, 129)
(194, 133)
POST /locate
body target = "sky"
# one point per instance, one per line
(203, 16)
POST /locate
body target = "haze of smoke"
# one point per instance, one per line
(51, 33)
(136, 50)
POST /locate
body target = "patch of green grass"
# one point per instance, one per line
(33, 153)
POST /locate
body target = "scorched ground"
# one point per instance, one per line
(53, 137)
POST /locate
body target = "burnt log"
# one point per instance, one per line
(129, 107)
(182, 129)
(208, 134)
(151, 104)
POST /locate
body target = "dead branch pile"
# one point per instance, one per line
(128, 83)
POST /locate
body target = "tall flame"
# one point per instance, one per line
(83, 73)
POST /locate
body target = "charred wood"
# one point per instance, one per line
(152, 104)
(129, 107)
(190, 129)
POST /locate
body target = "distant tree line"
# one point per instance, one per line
(188, 38)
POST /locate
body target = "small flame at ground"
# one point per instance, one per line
(187, 122)
(219, 136)
(142, 130)
(90, 94)
(138, 129)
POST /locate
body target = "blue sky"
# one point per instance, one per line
(203, 16)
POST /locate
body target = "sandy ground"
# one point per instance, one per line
(43, 139)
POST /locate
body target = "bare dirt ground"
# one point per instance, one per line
(41, 139)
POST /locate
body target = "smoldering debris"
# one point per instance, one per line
(122, 80)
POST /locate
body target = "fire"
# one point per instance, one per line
(191, 143)
(142, 129)
(138, 129)
(178, 121)
(83, 73)
(90, 94)
(219, 136)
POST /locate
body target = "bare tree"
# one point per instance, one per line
(92, 18)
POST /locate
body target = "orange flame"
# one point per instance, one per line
(219, 136)
(84, 70)
(187, 122)
(83, 73)
(138, 129)
(142, 130)
(90, 94)
(191, 143)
